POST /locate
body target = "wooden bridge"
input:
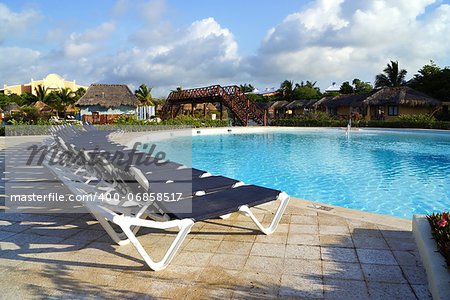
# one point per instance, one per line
(232, 97)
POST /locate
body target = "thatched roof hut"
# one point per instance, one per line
(304, 103)
(263, 105)
(278, 104)
(209, 106)
(108, 95)
(12, 107)
(402, 95)
(42, 107)
(353, 100)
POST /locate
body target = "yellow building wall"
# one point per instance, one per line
(53, 82)
(343, 111)
(408, 110)
(402, 110)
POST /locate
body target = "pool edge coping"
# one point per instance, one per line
(438, 274)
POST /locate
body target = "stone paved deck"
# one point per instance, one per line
(340, 254)
(313, 254)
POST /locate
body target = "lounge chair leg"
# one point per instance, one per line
(118, 238)
(184, 226)
(284, 198)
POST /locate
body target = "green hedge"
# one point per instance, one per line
(402, 123)
(309, 123)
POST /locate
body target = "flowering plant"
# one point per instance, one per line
(440, 229)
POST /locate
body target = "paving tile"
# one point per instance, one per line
(364, 232)
(209, 292)
(232, 247)
(325, 219)
(272, 265)
(415, 274)
(294, 266)
(358, 224)
(303, 229)
(303, 252)
(383, 273)
(219, 277)
(390, 232)
(422, 291)
(372, 256)
(262, 284)
(303, 239)
(301, 286)
(285, 219)
(202, 245)
(401, 244)
(333, 229)
(382, 290)
(228, 261)
(274, 238)
(305, 220)
(408, 258)
(342, 270)
(239, 236)
(345, 289)
(370, 243)
(192, 258)
(338, 254)
(342, 241)
(272, 250)
(282, 228)
(88, 235)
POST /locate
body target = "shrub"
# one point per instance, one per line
(440, 229)
(318, 119)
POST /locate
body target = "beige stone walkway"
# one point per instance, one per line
(313, 254)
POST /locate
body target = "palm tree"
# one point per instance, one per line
(144, 94)
(392, 76)
(287, 88)
(65, 97)
(246, 88)
(41, 93)
(80, 92)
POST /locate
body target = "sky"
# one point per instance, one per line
(171, 43)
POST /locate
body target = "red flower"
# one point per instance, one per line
(445, 215)
(442, 223)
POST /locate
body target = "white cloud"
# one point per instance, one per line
(79, 45)
(14, 23)
(326, 41)
(153, 10)
(19, 65)
(184, 56)
(337, 40)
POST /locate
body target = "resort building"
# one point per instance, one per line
(333, 88)
(103, 103)
(384, 104)
(52, 82)
(342, 105)
(391, 102)
(299, 107)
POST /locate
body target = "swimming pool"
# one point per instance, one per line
(396, 173)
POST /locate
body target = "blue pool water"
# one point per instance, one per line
(396, 173)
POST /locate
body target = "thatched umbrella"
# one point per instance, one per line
(42, 107)
(12, 107)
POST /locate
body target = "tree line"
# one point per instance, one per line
(430, 79)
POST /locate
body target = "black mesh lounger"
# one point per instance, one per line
(224, 196)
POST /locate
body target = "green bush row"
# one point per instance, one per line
(178, 121)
